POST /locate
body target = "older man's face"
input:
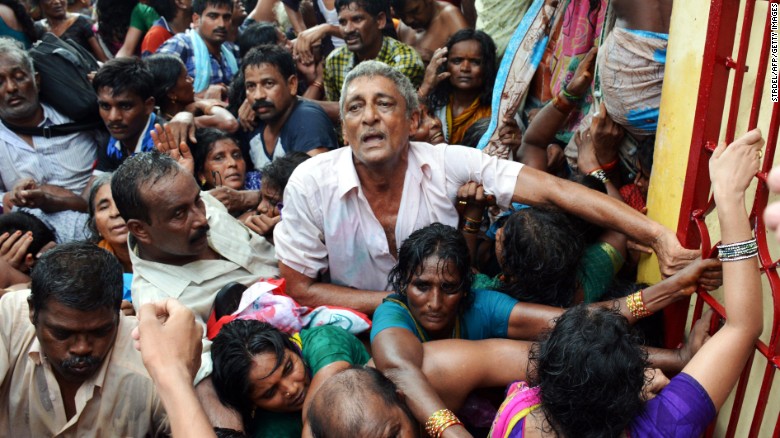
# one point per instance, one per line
(18, 90)
(375, 122)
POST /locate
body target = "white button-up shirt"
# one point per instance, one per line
(65, 161)
(328, 225)
(247, 257)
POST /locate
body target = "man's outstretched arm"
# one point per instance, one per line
(534, 187)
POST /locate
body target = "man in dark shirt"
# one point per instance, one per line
(285, 123)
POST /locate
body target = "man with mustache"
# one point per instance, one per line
(47, 175)
(211, 60)
(185, 245)
(361, 23)
(67, 362)
(285, 123)
(341, 229)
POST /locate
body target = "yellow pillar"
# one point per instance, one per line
(678, 106)
(687, 33)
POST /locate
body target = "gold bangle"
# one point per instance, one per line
(469, 219)
(439, 421)
(317, 84)
(636, 305)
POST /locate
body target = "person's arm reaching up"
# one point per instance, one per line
(732, 169)
(169, 340)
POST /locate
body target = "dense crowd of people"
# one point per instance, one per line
(283, 207)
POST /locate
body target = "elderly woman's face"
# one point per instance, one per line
(282, 389)
(108, 222)
(224, 166)
(434, 298)
(464, 63)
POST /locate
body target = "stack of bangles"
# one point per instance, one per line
(471, 225)
(732, 252)
(636, 305)
(439, 421)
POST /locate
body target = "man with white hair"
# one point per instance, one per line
(341, 229)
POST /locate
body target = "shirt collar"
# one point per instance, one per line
(140, 141)
(170, 278)
(348, 178)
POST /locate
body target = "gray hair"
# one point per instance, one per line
(377, 68)
(102, 179)
(10, 48)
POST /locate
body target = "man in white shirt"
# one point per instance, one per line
(36, 172)
(185, 245)
(347, 211)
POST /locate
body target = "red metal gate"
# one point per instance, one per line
(719, 73)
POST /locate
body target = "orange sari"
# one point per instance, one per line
(457, 127)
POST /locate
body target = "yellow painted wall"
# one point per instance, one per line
(678, 104)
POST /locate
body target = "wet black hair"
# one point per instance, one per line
(270, 54)
(442, 241)
(588, 230)
(114, 19)
(232, 353)
(78, 275)
(541, 254)
(591, 372)
(125, 74)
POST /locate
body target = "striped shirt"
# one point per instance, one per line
(65, 161)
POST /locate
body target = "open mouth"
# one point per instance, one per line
(372, 137)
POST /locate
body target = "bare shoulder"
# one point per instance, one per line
(451, 16)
